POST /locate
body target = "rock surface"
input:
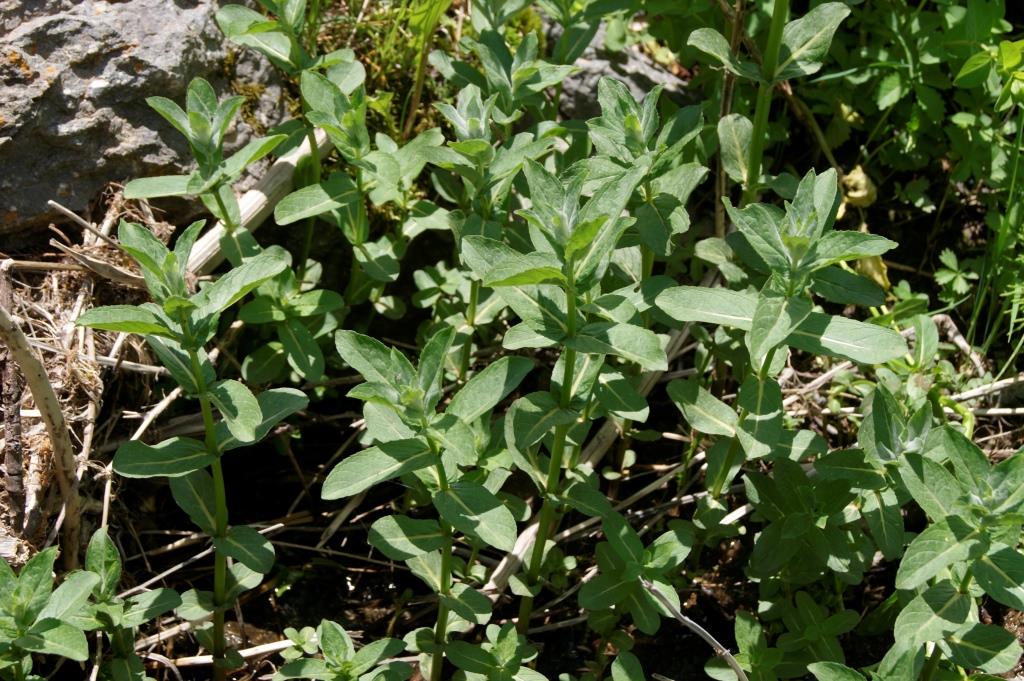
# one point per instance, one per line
(73, 81)
(631, 66)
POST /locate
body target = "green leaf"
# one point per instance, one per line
(489, 387)
(605, 590)
(239, 281)
(372, 653)
(616, 394)
(35, 582)
(627, 668)
(172, 113)
(385, 461)
(881, 511)
(53, 637)
(984, 647)
(68, 598)
(103, 559)
(1000, 572)
(775, 318)
(701, 409)
(238, 406)
(195, 494)
(734, 309)
(606, 206)
(934, 488)
(850, 339)
(337, 192)
(301, 350)
(975, 70)
(156, 187)
(544, 312)
(430, 372)
(761, 428)
(125, 319)
(851, 465)
(176, 360)
(247, 546)
(527, 268)
(474, 511)
(805, 41)
(833, 671)
(946, 542)
(941, 609)
(711, 42)
(247, 27)
(469, 604)
(369, 357)
(276, 405)
(147, 606)
(628, 341)
(400, 537)
(838, 246)
(171, 458)
(253, 151)
(734, 133)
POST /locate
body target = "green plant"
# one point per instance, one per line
(204, 123)
(118, 618)
(36, 618)
(177, 327)
(340, 661)
(440, 454)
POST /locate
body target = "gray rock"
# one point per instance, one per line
(635, 69)
(73, 81)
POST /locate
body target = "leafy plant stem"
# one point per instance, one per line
(230, 228)
(932, 664)
(307, 243)
(441, 626)
(735, 23)
(467, 349)
(220, 567)
(764, 98)
(220, 504)
(546, 519)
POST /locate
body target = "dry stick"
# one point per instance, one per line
(255, 651)
(719, 649)
(986, 389)
(10, 400)
(56, 428)
(255, 205)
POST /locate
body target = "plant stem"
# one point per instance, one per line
(467, 349)
(441, 626)
(229, 227)
(220, 564)
(932, 664)
(780, 12)
(546, 520)
(307, 244)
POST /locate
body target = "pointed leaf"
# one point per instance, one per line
(171, 458)
(377, 464)
(247, 546)
(474, 511)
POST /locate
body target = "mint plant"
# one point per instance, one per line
(340, 660)
(440, 454)
(177, 326)
(36, 618)
(118, 618)
(204, 122)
